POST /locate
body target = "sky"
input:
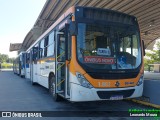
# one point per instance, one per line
(17, 17)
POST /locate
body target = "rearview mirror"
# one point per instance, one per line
(144, 53)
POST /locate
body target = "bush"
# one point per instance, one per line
(6, 65)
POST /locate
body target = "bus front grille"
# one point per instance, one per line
(109, 94)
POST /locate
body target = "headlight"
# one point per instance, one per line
(82, 80)
(140, 81)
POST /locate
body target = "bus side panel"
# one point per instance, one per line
(44, 69)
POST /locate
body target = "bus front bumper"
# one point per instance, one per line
(79, 93)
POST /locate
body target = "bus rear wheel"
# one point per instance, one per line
(32, 83)
(55, 96)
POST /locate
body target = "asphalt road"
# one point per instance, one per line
(17, 94)
(151, 75)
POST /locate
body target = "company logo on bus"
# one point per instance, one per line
(117, 84)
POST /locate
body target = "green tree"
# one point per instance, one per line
(153, 56)
(10, 60)
(158, 49)
(3, 57)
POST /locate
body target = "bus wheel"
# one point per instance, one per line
(32, 83)
(55, 96)
(22, 76)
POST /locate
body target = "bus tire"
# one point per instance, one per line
(55, 96)
(33, 83)
(22, 76)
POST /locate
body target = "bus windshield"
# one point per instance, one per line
(112, 47)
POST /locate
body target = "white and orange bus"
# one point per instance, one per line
(89, 54)
(19, 65)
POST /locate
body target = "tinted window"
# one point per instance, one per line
(41, 51)
(108, 47)
(50, 50)
(45, 46)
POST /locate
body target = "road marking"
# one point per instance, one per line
(145, 103)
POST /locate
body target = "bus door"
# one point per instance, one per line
(23, 65)
(31, 65)
(20, 64)
(28, 61)
(62, 83)
(34, 65)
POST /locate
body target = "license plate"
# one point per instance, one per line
(117, 97)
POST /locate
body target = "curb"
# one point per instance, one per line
(145, 103)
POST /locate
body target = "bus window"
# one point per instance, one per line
(50, 50)
(118, 46)
(45, 46)
(41, 49)
(61, 48)
(35, 52)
